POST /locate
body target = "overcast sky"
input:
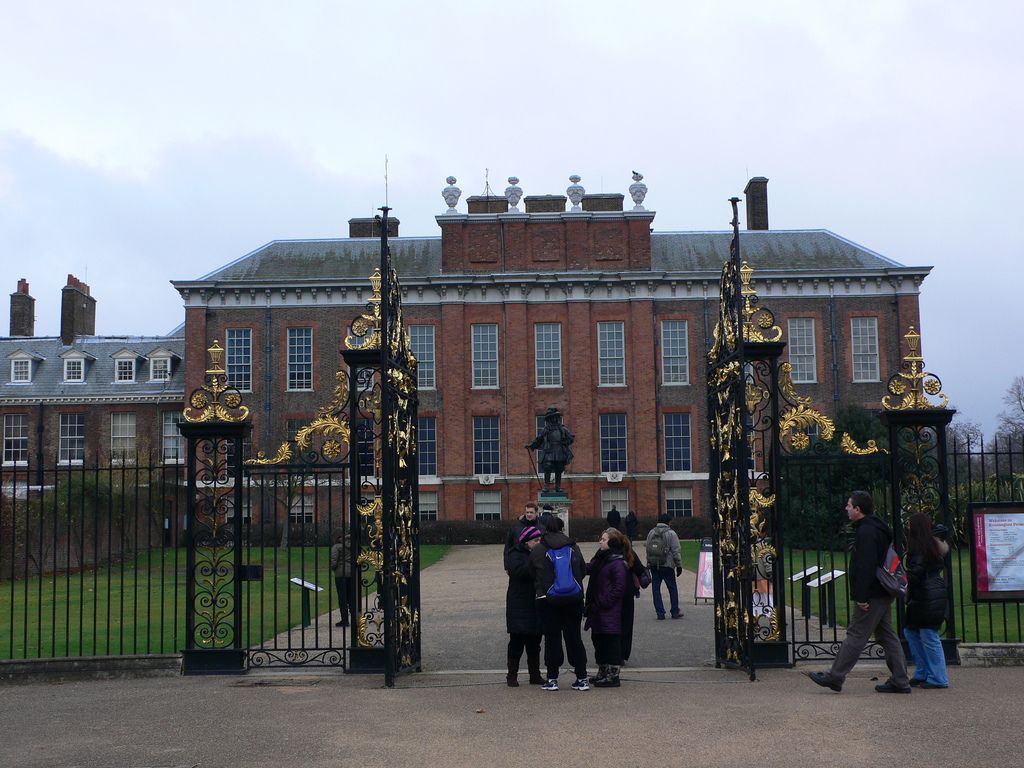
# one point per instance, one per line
(145, 142)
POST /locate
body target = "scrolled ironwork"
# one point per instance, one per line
(911, 386)
(215, 400)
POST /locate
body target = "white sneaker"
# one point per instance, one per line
(581, 685)
(550, 685)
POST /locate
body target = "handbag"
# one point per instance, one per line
(892, 575)
(642, 577)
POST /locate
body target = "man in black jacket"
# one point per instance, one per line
(528, 518)
(873, 612)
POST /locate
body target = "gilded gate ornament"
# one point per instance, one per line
(758, 322)
(215, 400)
(910, 387)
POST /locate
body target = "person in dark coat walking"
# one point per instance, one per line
(560, 617)
(926, 603)
(341, 566)
(872, 613)
(521, 618)
(639, 578)
(607, 588)
(632, 526)
(614, 518)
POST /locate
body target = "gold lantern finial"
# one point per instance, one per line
(911, 386)
(215, 400)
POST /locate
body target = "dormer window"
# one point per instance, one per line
(74, 369)
(22, 366)
(160, 369)
(125, 370)
(21, 371)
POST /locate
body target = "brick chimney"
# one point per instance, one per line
(77, 311)
(371, 227)
(23, 311)
(756, 193)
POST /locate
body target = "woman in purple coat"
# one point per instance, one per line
(606, 589)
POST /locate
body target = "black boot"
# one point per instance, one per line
(610, 680)
(533, 664)
(602, 674)
(512, 678)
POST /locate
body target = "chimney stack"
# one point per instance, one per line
(77, 311)
(23, 311)
(756, 193)
(371, 227)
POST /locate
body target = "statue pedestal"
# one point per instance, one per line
(560, 502)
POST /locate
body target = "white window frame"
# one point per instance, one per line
(419, 456)
(675, 353)
(802, 348)
(429, 505)
(423, 339)
(119, 422)
(678, 493)
(15, 429)
(490, 502)
(625, 442)
(477, 446)
(486, 373)
(689, 440)
(614, 497)
(70, 362)
(867, 355)
(25, 366)
(172, 442)
(68, 442)
(124, 370)
(547, 354)
(302, 509)
(238, 343)
(611, 353)
(158, 364)
(297, 367)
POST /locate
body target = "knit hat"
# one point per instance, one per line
(529, 533)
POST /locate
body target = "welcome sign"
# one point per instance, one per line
(997, 552)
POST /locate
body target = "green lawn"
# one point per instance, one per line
(138, 606)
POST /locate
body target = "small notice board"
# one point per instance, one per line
(704, 586)
(997, 551)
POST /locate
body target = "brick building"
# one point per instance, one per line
(587, 309)
(79, 398)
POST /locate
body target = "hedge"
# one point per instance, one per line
(581, 529)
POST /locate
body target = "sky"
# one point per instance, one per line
(142, 143)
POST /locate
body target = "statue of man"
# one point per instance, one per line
(554, 452)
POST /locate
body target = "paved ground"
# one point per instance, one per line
(695, 716)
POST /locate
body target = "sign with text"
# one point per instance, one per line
(997, 551)
(704, 586)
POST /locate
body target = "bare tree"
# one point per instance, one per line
(964, 432)
(1011, 421)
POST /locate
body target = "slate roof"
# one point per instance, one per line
(813, 249)
(48, 373)
(301, 260)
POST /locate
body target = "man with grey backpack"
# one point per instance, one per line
(664, 560)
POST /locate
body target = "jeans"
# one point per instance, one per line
(668, 575)
(929, 659)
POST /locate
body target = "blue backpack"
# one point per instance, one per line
(564, 587)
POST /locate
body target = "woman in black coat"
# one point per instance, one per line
(521, 618)
(926, 603)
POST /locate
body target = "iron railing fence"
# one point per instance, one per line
(90, 563)
(982, 471)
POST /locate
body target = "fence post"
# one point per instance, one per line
(917, 445)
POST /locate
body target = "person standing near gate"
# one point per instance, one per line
(341, 565)
(521, 618)
(926, 602)
(665, 562)
(872, 613)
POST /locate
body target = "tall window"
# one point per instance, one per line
(15, 438)
(611, 353)
(864, 337)
(422, 339)
(548, 354)
(300, 508)
(802, 355)
(675, 352)
(487, 505)
(238, 357)
(74, 369)
(300, 358)
(485, 355)
(292, 427)
(122, 436)
(614, 497)
(677, 442)
(679, 502)
(485, 445)
(124, 370)
(21, 371)
(172, 442)
(613, 442)
(71, 440)
(426, 444)
(160, 369)
(367, 442)
(428, 505)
